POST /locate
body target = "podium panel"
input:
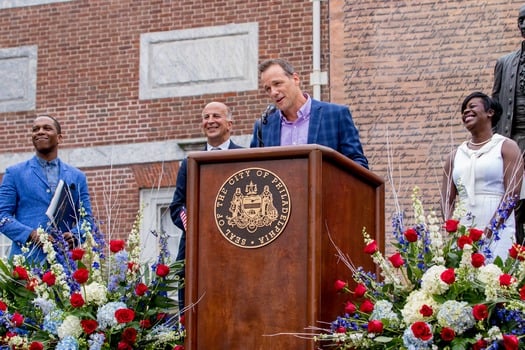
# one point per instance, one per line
(260, 257)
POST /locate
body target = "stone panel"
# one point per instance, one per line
(199, 61)
(18, 68)
(6, 4)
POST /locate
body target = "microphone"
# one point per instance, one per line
(269, 110)
(72, 187)
(263, 121)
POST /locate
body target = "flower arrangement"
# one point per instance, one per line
(440, 290)
(95, 296)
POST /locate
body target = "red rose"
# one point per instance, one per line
(421, 330)
(479, 345)
(506, 280)
(451, 225)
(360, 290)
(339, 285)
(375, 326)
(162, 270)
(129, 335)
(517, 252)
(122, 345)
(3, 306)
(178, 347)
(340, 329)
(77, 254)
(17, 319)
(475, 234)
(141, 289)
(89, 326)
(480, 312)
(477, 260)
(371, 248)
(522, 293)
(411, 235)
(510, 342)
(81, 275)
(124, 315)
(132, 266)
(116, 245)
(76, 300)
(426, 311)
(350, 308)
(20, 273)
(447, 334)
(49, 278)
(145, 323)
(396, 260)
(36, 345)
(32, 283)
(367, 307)
(448, 276)
(464, 240)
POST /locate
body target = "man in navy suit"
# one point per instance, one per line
(27, 189)
(216, 125)
(299, 119)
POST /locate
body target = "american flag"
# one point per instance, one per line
(184, 219)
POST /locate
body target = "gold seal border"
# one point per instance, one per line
(268, 237)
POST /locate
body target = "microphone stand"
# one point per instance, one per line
(263, 120)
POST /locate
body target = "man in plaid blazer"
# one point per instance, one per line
(299, 119)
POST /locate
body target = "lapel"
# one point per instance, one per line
(315, 122)
(272, 130)
(37, 170)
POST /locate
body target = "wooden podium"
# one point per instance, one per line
(260, 261)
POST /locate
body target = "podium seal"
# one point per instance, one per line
(252, 208)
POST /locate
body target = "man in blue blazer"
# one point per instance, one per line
(27, 189)
(299, 119)
(216, 125)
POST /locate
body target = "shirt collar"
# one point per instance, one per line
(303, 113)
(222, 146)
(44, 162)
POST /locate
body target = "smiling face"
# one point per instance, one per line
(283, 88)
(475, 115)
(216, 123)
(46, 136)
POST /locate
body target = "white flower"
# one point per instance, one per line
(489, 276)
(70, 326)
(411, 311)
(95, 294)
(431, 281)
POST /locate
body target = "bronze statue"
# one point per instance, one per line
(509, 91)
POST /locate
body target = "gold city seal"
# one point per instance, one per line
(252, 208)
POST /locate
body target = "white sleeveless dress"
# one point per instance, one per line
(478, 176)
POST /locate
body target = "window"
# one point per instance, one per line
(156, 218)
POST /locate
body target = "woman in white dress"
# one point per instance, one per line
(486, 173)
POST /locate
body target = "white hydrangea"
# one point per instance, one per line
(431, 281)
(95, 294)
(489, 274)
(70, 326)
(411, 311)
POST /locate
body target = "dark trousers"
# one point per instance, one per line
(519, 214)
(181, 255)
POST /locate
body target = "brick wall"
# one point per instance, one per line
(88, 77)
(404, 68)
